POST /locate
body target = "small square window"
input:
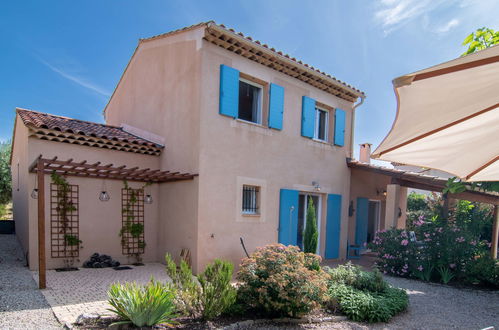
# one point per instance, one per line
(321, 124)
(251, 199)
(250, 101)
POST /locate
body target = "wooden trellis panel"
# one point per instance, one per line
(132, 212)
(59, 228)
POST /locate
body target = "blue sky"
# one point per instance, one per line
(66, 57)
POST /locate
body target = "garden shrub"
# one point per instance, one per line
(368, 306)
(442, 253)
(483, 271)
(208, 295)
(186, 285)
(217, 294)
(282, 281)
(364, 296)
(143, 305)
(311, 235)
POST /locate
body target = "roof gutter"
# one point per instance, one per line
(362, 98)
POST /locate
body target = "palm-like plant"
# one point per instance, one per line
(143, 305)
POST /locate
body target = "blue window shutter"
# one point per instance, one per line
(276, 106)
(361, 221)
(339, 127)
(308, 117)
(229, 91)
(333, 226)
(288, 217)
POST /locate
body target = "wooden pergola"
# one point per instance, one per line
(433, 183)
(42, 166)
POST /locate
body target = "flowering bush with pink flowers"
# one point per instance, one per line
(442, 252)
(282, 280)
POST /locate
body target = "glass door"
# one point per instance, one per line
(303, 201)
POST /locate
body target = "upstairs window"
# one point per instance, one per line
(321, 124)
(251, 199)
(250, 101)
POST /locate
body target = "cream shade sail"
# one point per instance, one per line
(448, 118)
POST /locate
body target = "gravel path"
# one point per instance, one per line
(431, 306)
(22, 306)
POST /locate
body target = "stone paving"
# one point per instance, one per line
(73, 293)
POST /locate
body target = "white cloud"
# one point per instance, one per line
(392, 14)
(447, 27)
(76, 79)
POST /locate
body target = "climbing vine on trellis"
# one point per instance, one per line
(132, 230)
(65, 241)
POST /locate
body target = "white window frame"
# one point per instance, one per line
(259, 105)
(326, 127)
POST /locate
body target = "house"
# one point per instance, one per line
(235, 138)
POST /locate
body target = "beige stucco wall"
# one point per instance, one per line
(99, 222)
(371, 185)
(171, 88)
(232, 151)
(159, 92)
(20, 192)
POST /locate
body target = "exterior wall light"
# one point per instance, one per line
(34, 193)
(316, 185)
(104, 196)
(148, 199)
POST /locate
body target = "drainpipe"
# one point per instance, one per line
(362, 98)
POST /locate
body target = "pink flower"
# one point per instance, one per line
(452, 265)
(420, 268)
(473, 242)
(460, 239)
(404, 242)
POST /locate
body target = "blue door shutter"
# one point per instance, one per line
(361, 221)
(333, 225)
(339, 127)
(288, 217)
(276, 106)
(308, 117)
(229, 91)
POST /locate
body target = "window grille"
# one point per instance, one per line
(251, 201)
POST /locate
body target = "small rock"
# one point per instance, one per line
(84, 318)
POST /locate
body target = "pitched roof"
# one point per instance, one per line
(222, 28)
(96, 132)
(257, 51)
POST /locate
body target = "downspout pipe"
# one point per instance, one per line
(362, 98)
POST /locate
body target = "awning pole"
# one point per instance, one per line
(495, 233)
(42, 279)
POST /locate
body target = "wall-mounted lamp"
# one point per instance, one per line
(34, 193)
(104, 196)
(384, 193)
(148, 199)
(400, 212)
(316, 185)
(351, 210)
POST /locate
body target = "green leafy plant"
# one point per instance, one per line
(208, 295)
(480, 39)
(135, 229)
(364, 296)
(282, 280)
(311, 234)
(65, 207)
(5, 173)
(217, 294)
(483, 271)
(359, 305)
(143, 305)
(446, 275)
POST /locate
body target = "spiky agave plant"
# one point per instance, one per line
(143, 305)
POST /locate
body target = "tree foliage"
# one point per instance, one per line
(5, 175)
(480, 39)
(311, 234)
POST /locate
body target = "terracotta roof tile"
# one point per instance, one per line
(258, 42)
(75, 126)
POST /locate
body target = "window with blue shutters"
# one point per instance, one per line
(339, 127)
(243, 97)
